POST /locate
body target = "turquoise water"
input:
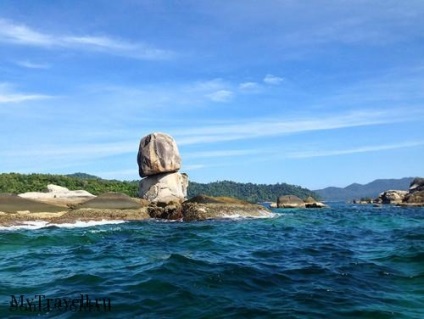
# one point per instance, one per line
(342, 262)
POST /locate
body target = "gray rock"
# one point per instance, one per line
(164, 188)
(158, 153)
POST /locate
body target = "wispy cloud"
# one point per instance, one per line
(222, 153)
(249, 87)
(221, 96)
(32, 65)
(23, 35)
(275, 127)
(363, 149)
(273, 80)
(8, 95)
(83, 151)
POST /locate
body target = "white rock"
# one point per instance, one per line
(55, 191)
(164, 188)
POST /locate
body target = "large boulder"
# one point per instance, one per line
(164, 188)
(157, 154)
(416, 198)
(290, 201)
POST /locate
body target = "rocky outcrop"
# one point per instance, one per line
(204, 207)
(111, 200)
(415, 195)
(311, 202)
(58, 195)
(290, 201)
(391, 197)
(417, 185)
(158, 153)
(55, 191)
(158, 162)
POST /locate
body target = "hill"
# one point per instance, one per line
(21, 183)
(358, 191)
(247, 191)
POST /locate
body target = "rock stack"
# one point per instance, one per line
(158, 164)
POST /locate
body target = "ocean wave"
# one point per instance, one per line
(38, 224)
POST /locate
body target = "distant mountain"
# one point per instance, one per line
(358, 191)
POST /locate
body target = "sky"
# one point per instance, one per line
(311, 93)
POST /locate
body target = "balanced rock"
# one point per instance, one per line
(290, 201)
(164, 188)
(157, 153)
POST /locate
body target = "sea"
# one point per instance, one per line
(345, 261)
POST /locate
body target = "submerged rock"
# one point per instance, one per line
(204, 207)
(158, 153)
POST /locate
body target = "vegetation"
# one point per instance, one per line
(247, 191)
(21, 183)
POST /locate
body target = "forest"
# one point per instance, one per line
(16, 183)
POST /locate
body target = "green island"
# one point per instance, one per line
(17, 183)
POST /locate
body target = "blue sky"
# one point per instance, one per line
(312, 93)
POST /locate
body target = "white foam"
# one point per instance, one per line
(26, 225)
(30, 225)
(90, 223)
(264, 214)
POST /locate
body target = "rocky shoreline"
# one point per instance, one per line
(18, 209)
(413, 197)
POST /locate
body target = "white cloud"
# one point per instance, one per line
(221, 153)
(249, 87)
(275, 127)
(221, 96)
(8, 95)
(17, 98)
(23, 35)
(273, 80)
(32, 65)
(363, 149)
